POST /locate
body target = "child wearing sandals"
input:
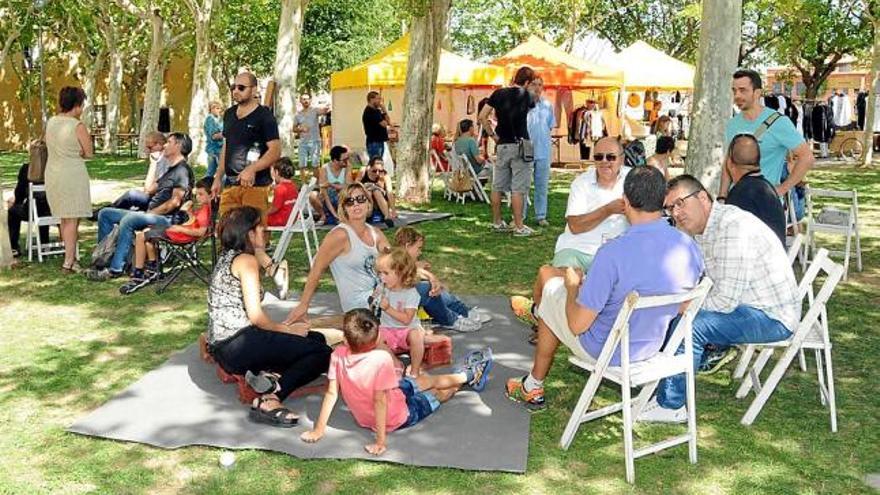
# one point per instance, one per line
(399, 327)
(377, 396)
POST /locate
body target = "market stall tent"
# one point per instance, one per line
(645, 67)
(564, 73)
(461, 83)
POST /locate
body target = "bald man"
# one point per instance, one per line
(593, 216)
(752, 192)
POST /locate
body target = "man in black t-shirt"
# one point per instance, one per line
(751, 191)
(173, 189)
(512, 172)
(376, 123)
(250, 147)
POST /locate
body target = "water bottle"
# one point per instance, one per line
(253, 154)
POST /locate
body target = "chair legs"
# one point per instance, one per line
(743, 365)
(769, 386)
(691, 416)
(628, 454)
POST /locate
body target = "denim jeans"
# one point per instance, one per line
(444, 309)
(213, 162)
(129, 223)
(542, 185)
(135, 199)
(743, 325)
(375, 148)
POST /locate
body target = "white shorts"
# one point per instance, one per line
(552, 311)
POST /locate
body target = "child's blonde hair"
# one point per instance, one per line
(361, 329)
(402, 264)
(406, 236)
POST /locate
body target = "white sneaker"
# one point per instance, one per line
(466, 325)
(525, 231)
(479, 314)
(655, 414)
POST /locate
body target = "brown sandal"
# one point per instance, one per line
(73, 268)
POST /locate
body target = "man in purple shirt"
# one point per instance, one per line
(651, 257)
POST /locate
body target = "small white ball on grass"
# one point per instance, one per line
(227, 459)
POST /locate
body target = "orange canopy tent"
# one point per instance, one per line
(557, 67)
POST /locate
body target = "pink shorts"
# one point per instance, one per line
(395, 338)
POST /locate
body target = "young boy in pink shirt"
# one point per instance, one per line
(373, 389)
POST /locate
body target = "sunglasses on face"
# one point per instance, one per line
(378, 171)
(240, 87)
(604, 157)
(359, 199)
(678, 203)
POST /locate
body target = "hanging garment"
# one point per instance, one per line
(861, 109)
(564, 104)
(470, 105)
(807, 120)
(770, 101)
(597, 125)
(798, 122)
(822, 122)
(791, 111)
(842, 109)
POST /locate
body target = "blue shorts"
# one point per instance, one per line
(420, 404)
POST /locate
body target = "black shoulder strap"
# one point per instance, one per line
(762, 128)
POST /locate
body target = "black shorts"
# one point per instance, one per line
(156, 232)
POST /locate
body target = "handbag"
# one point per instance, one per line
(38, 156)
(527, 150)
(103, 252)
(461, 181)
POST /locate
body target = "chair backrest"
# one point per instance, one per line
(301, 201)
(850, 197)
(620, 330)
(791, 220)
(436, 163)
(816, 310)
(795, 247)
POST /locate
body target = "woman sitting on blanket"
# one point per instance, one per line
(277, 358)
(444, 308)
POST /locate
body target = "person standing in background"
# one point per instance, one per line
(376, 123)
(67, 179)
(307, 129)
(541, 122)
(213, 137)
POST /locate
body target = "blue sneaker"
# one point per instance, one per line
(479, 371)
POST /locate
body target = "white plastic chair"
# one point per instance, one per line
(35, 221)
(811, 333)
(645, 374)
(847, 227)
(297, 222)
(793, 225)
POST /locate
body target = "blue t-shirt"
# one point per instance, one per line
(775, 143)
(213, 125)
(652, 259)
(540, 122)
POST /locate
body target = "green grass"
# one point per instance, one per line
(69, 345)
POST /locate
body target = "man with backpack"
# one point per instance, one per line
(776, 136)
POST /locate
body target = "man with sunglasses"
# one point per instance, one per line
(593, 216)
(250, 147)
(754, 294)
(379, 185)
(776, 135)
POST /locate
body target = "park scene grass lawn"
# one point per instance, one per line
(69, 345)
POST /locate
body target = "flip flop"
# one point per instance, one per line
(263, 382)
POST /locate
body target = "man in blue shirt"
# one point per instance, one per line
(651, 258)
(541, 121)
(776, 141)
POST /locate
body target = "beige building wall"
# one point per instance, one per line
(14, 132)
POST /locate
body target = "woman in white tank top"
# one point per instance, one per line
(350, 251)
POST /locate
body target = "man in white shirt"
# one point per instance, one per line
(593, 216)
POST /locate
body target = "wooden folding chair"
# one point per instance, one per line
(811, 333)
(847, 226)
(645, 374)
(297, 222)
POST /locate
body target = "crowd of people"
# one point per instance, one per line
(626, 229)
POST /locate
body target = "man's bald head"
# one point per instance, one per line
(611, 142)
(745, 152)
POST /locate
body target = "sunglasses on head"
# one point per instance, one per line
(359, 199)
(604, 157)
(240, 87)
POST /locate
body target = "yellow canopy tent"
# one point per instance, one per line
(645, 67)
(569, 81)
(461, 83)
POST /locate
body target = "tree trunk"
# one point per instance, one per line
(89, 83)
(201, 81)
(6, 258)
(286, 65)
(868, 136)
(427, 31)
(155, 77)
(114, 78)
(720, 31)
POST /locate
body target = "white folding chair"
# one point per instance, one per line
(793, 225)
(435, 171)
(811, 333)
(297, 222)
(794, 252)
(479, 190)
(35, 221)
(645, 374)
(847, 225)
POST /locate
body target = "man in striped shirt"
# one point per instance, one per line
(754, 295)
